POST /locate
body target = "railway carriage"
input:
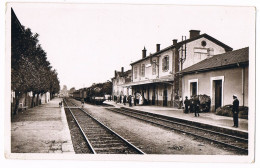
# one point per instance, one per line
(93, 95)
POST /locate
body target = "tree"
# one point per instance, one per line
(72, 90)
(30, 69)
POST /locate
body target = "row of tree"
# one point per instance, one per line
(101, 89)
(30, 69)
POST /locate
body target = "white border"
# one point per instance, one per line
(252, 98)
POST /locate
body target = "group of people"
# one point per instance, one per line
(109, 98)
(131, 100)
(192, 105)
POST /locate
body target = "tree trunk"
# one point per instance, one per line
(17, 98)
(32, 105)
(37, 99)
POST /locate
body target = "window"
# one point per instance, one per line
(203, 43)
(165, 63)
(135, 72)
(143, 70)
(154, 67)
(210, 51)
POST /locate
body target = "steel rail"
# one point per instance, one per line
(113, 132)
(85, 136)
(186, 132)
(186, 125)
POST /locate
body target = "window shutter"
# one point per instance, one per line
(167, 65)
(140, 70)
(143, 69)
(163, 64)
(154, 68)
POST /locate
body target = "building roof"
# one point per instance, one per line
(145, 82)
(123, 74)
(226, 47)
(240, 56)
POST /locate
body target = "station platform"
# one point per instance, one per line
(42, 129)
(205, 118)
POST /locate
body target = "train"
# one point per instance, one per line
(94, 94)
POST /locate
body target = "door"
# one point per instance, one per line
(148, 96)
(218, 93)
(165, 97)
(153, 96)
(193, 86)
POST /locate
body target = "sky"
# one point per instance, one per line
(86, 43)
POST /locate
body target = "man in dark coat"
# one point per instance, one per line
(124, 99)
(192, 104)
(82, 103)
(186, 104)
(196, 106)
(235, 110)
(130, 100)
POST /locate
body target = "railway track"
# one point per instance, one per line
(234, 142)
(100, 138)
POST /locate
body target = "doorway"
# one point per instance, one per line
(193, 89)
(218, 93)
(153, 96)
(165, 98)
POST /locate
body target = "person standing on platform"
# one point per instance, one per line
(130, 100)
(192, 104)
(196, 106)
(180, 102)
(235, 110)
(141, 100)
(82, 103)
(133, 100)
(124, 99)
(186, 104)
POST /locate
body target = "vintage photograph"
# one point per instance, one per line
(130, 81)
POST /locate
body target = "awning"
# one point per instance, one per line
(150, 81)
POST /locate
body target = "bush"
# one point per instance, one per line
(227, 111)
(205, 102)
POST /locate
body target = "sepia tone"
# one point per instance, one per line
(190, 97)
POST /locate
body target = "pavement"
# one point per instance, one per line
(209, 118)
(42, 129)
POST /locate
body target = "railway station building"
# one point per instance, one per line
(156, 77)
(219, 77)
(121, 78)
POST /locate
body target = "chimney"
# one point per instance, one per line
(194, 33)
(174, 41)
(144, 52)
(122, 69)
(158, 47)
(115, 73)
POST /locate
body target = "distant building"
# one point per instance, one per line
(119, 80)
(219, 77)
(64, 92)
(155, 77)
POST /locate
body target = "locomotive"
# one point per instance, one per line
(94, 94)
